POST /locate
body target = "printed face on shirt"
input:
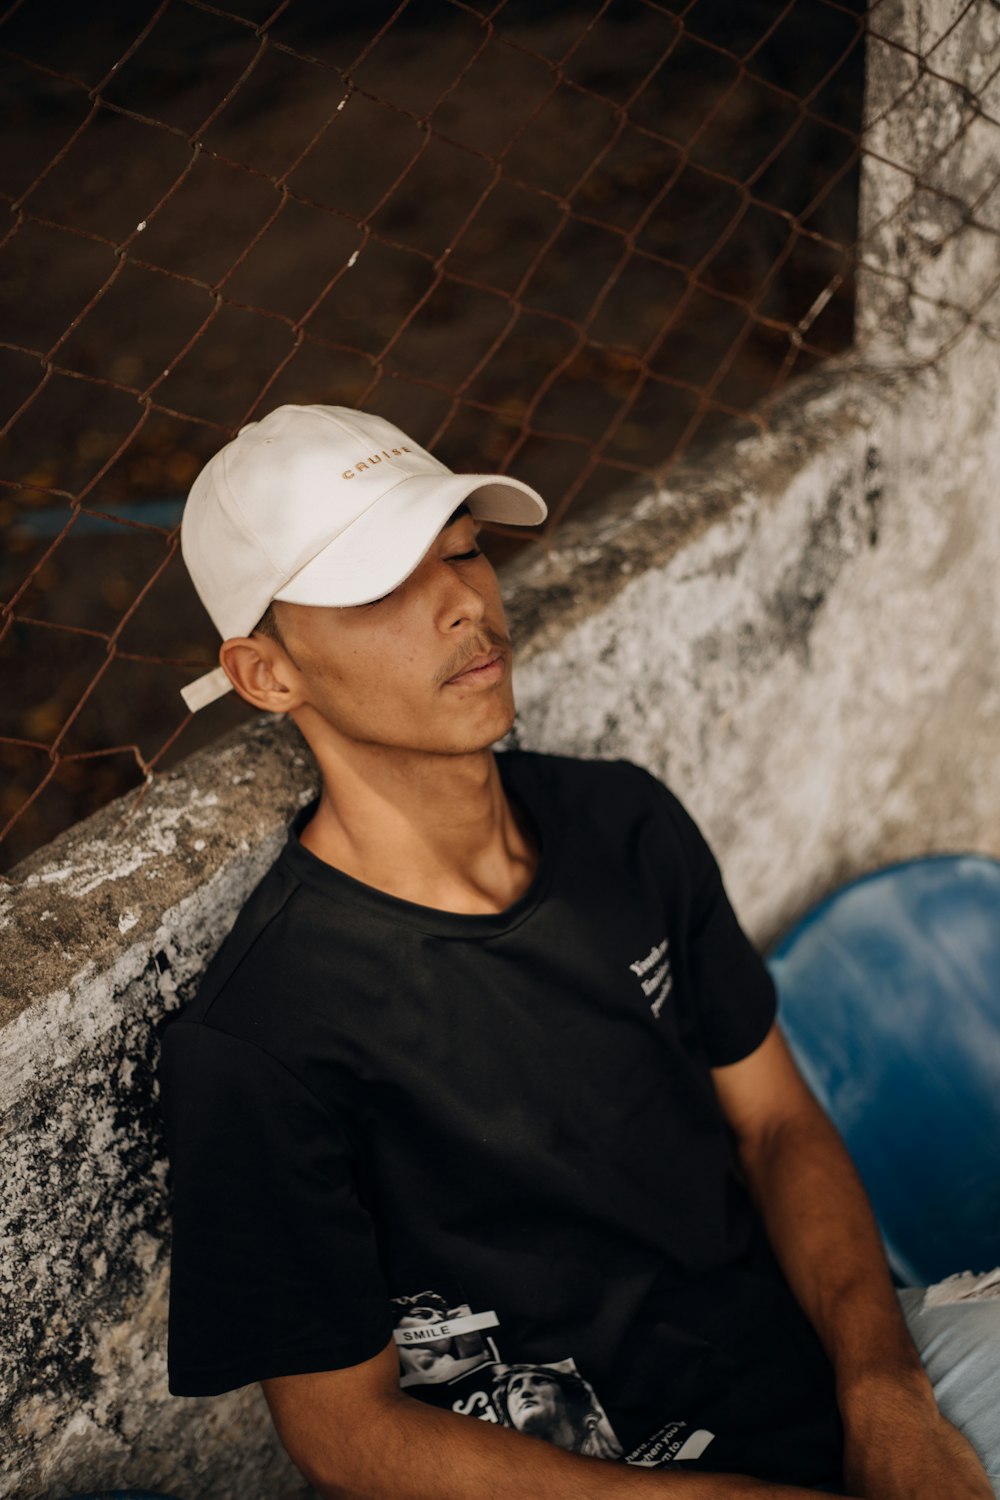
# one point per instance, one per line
(419, 1317)
(427, 667)
(554, 1402)
(423, 1357)
(424, 1360)
(534, 1399)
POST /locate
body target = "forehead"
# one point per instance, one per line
(457, 514)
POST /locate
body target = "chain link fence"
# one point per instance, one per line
(566, 241)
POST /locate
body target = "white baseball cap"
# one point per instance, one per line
(322, 505)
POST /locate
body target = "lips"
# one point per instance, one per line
(487, 666)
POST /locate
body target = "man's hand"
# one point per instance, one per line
(898, 1446)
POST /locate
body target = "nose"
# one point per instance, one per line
(460, 601)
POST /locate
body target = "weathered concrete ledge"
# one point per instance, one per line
(104, 933)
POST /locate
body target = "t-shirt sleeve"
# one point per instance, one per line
(734, 991)
(274, 1266)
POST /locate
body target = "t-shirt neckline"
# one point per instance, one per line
(344, 888)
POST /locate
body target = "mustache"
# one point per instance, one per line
(488, 639)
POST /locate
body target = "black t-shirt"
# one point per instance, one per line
(495, 1139)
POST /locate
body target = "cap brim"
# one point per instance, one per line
(384, 545)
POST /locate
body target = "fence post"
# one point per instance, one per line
(929, 248)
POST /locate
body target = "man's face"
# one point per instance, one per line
(534, 1399)
(388, 673)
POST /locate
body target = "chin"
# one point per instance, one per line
(471, 746)
(500, 724)
(481, 729)
(505, 719)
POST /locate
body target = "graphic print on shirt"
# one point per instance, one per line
(449, 1361)
(437, 1343)
(673, 1443)
(653, 973)
(554, 1402)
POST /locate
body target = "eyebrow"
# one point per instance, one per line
(456, 515)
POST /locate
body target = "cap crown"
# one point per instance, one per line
(281, 491)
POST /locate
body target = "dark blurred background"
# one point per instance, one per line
(565, 240)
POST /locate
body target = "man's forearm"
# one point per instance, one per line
(412, 1451)
(817, 1215)
(824, 1234)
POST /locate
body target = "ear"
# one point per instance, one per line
(262, 672)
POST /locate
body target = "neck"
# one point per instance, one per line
(434, 829)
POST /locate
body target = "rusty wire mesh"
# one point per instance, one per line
(566, 241)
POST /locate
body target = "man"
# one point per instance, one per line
(489, 1025)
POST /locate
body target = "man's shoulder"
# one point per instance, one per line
(617, 796)
(255, 943)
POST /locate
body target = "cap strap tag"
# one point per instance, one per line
(205, 690)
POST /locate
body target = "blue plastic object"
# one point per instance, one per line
(889, 995)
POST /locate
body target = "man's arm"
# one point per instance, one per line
(356, 1436)
(817, 1216)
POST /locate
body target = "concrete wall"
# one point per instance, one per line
(800, 632)
(104, 932)
(815, 672)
